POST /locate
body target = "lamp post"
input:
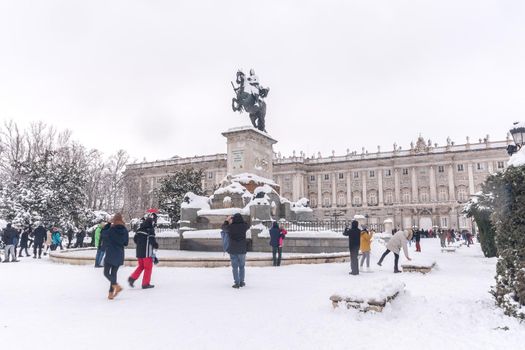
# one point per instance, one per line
(518, 135)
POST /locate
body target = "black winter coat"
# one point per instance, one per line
(145, 241)
(24, 239)
(9, 235)
(114, 239)
(275, 235)
(354, 235)
(237, 233)
(39, 235)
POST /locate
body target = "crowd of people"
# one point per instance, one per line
(18, 241)
(111, 237)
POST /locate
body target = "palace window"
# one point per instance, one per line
(313, 200)
(443, 194)
(327, 200)
(441, 169)
(388, 172)
(405, 171)
(356, 174)
(462, 194)
(372, 173)
(372, 198)
(405, 196)
(356, 199)
(326, 177)
(389, 197)
(501, 165)
(210, 175)
(461, 167)
(341, 176)
(480, 166)
(444, 222)
(423, 195)
(341, 199)
(312, 178)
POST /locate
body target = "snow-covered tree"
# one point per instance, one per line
(173, 188)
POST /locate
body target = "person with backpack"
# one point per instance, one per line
(145, 244)
(224, 236)
(237, 248)
(98, 244)
(114, 237)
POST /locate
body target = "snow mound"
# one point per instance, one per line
(191, 200)
(518, 158)
(246, 178)
(234, 188)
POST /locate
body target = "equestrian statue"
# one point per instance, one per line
(249, 98)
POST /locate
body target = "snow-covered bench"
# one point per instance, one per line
(370, 297)
(418, 266)
(448, 250)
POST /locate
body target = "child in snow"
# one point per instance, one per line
(366, 242)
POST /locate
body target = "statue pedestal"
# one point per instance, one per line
(250, 151)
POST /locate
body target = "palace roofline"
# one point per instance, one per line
(418, 150)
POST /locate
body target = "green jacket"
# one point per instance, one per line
(97, 236)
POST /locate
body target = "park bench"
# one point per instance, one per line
(423, 267)
(448, 250)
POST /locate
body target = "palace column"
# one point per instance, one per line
(415, 197)
(364, 196)
(397, 190)
(319, 191)
(349, 189)
(451, 185)
(380, 186)
(471, 188)
(433, 190)
(334, 190)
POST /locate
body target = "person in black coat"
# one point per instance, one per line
(24, 239)
(114, 238)
(80, 238)
(69, 235)
(39, 237)
(10, 239)
(275, 243)
(145, 242)
(417, 238)
(354, 241)
(237, 248)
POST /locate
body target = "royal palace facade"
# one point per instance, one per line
(424, 186)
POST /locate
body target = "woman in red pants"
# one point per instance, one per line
(145, 241)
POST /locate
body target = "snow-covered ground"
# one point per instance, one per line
(48, 306)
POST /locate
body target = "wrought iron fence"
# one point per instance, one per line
(321, 225)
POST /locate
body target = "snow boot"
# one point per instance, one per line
(148, 286)
(116, 289)
(131, 281)
(242, 284)
(236, 286)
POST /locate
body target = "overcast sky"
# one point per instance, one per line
(153, 77)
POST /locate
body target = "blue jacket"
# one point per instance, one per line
(56, 238)
(114, 239)
(275, 235)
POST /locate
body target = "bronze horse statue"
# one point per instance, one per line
(249, 98)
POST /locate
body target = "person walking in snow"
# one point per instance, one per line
(365, 246)
(237, 248)
(394, 245)
(79, 243)
(276, 244)
(69, 235)
(39, 237)
(354, 243)
(417, 238)
(9, 237)
(24, 239)
(145, 243)
(115, 237)
(48, 240)
(224, 236)
(443, 238)
(98, 244)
